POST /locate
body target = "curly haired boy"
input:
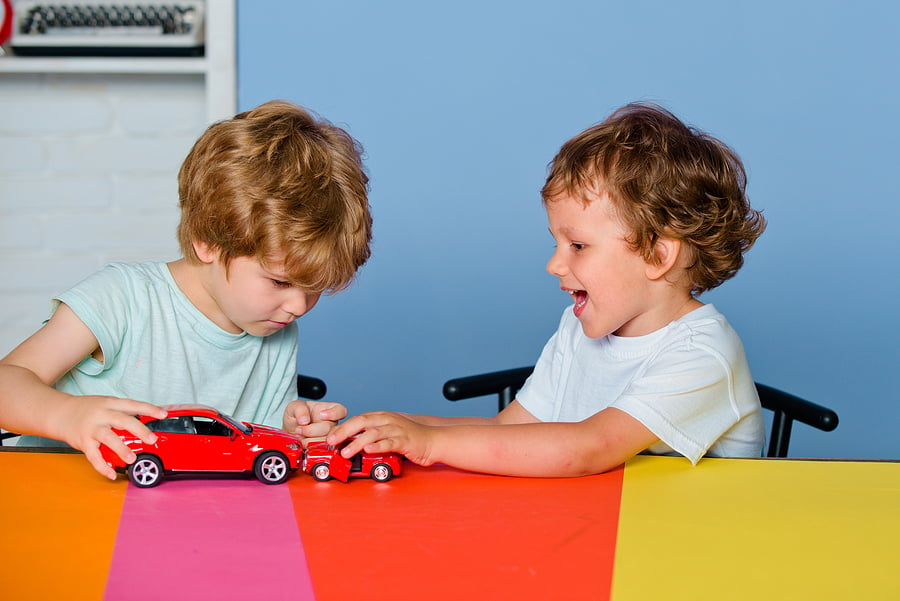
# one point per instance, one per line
(647, 213)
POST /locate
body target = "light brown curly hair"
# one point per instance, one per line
(665, 179)
(276, 183)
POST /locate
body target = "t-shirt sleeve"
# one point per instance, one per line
(686, 397)
(100, 302)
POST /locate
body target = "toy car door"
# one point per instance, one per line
(176, 442)
(217, 446)
(339, 466)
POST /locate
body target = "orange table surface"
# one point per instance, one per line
(657, 528)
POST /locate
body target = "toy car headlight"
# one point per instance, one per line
(293, 446)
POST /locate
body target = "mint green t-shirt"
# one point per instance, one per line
(159, 348)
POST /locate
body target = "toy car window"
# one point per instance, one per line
(236, 424)
(175, 425)
(210, 427)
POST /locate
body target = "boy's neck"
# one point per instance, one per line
(186, 278)
(189, 279)
(691, 304)
(659, 317)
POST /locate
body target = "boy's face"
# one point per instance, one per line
(251, 298)
(595, 264)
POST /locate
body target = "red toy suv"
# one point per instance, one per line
(324, 462)
(196, 438)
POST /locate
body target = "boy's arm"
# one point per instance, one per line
(538, 449)
(513, 413)
(29, 404)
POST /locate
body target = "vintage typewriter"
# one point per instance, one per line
(108, 29)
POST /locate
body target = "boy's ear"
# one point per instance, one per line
(665, 255)
(206, 252)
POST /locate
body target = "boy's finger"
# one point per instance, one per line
(112, 441)
(344, 431)
(301, 412)
(136, 427)
(316, 429)
(331, 412)
(154, 411)
(96, 460)
(131, 407)
(354, 447)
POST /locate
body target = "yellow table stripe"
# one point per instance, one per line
(683, 530)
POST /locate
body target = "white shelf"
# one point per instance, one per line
(84, 65)
(218, 67)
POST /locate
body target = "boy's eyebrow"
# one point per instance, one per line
(567, 231)
(275, 274)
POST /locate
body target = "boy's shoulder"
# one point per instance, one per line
(117, 283)
(706, 315)
(706, 318)
(704, 332)
(137, 268)
(121, 271)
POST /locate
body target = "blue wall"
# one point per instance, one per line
(461, 105)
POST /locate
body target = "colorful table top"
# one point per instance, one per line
(657, 528)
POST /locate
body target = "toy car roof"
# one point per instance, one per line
(202, 410)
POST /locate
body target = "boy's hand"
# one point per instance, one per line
(386, 432)
(86, 422)
(312, 419)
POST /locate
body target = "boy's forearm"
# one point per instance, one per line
(434, 420)
(537, 450)
(514, 413)
(26, 403)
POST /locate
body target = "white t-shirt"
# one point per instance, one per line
(688, 383)
(159, 348)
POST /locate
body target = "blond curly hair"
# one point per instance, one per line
(277, 184)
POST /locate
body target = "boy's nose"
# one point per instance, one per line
(556, 266)
(301, 302)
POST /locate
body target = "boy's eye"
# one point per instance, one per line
(578, 246)
(281, 284)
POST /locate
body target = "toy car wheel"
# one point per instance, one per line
(382, 472)
(146, 471)
(321, 472)
(271, 468)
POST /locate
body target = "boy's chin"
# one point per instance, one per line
(261, 330)
(591, 332)
(594, 330)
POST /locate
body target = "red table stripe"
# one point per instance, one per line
(194, 539)
(555, 539)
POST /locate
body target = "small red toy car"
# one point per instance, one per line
(196, 438)
(324, 461)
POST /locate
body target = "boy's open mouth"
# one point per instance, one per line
(580, 297)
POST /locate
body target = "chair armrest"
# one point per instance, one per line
(797, 409)
(310, 388)
(494, 382)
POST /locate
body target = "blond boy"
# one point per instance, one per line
(274, 213)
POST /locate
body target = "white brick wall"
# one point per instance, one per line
(88, 167)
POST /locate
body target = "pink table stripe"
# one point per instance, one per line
(193, 539)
